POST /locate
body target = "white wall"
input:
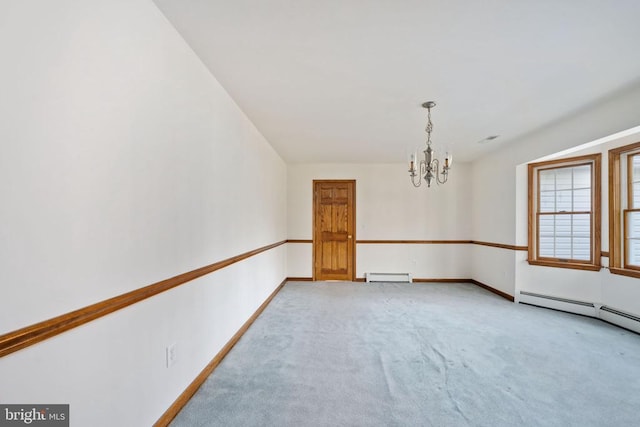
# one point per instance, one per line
(123, 162)
(388, 207)
(500, 213)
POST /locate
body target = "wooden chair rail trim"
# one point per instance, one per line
(426, 242)
(182, 400)
(29, 335)
(500, 245)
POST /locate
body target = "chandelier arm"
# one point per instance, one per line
(413, 179)
(444, 173)
(412, 173)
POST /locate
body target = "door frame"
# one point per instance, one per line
(353, 224)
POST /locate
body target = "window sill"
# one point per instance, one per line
(624, 272)
(571, 265)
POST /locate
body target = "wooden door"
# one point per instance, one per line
(334, 230)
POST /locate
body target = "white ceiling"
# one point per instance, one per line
(343, 80)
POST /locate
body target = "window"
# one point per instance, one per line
(564, 213)
(632, 213)
(624, 210)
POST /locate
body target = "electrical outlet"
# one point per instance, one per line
(171, 355)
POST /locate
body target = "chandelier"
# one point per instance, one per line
(429, 168)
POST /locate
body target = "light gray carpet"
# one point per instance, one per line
(355, 354)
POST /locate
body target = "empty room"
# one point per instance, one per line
(319, 213)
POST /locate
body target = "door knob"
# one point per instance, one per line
(349, 236)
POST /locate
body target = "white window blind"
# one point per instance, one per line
(565, 211)
(632, 215)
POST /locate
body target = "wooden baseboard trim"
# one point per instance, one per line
(494, 290)
(30, 335)
(475, 282)
(182, 400)
(188, 393)
(421, 280)
(418, 280)
(416, 242)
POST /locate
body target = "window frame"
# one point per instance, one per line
(534, 258)
(618, 222)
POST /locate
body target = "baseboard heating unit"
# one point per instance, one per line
(617, 317)
(563, 304)
(608, 314)
(388, 277)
